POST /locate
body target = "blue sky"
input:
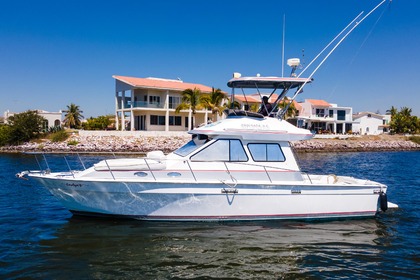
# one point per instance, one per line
(54, 53)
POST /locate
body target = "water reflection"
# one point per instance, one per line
(104, 249)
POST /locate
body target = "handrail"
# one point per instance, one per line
(148, 167)
(110, 170)
(68, 165)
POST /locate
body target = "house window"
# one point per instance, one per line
(155, 100)
(320, 113)
(341, 115)
(175, 120)
(45, 125)
(157, 120)
(331, 114)
(174, 101)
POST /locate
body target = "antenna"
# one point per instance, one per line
(282, 49)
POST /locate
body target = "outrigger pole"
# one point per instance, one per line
(281, 113)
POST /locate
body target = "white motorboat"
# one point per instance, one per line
(239, 168)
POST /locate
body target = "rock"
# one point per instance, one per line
(144, 144)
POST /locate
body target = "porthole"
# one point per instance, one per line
(174, 174)
(140, 174)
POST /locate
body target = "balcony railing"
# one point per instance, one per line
(142, 104)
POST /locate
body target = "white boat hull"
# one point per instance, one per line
(213, 202)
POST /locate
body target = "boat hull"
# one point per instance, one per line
(213, 202)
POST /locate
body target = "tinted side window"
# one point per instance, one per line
(222, 150)
(266, 152)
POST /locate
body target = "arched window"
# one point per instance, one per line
(57, 123)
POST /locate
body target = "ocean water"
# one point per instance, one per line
(39, 239)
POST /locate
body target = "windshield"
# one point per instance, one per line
(186, 149)
(196, 142)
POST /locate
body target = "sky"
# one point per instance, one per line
(54, 53)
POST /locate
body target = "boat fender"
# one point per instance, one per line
(383, 201)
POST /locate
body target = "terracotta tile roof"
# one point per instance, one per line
(319, 102)
(160, 83)
(254, 98)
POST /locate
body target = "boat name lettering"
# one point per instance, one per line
(253, 125)
(73, 185)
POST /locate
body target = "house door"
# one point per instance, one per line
(339, 128)
(140, 122)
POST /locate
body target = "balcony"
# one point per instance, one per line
(143, 104)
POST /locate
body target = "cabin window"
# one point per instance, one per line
(222, 150)
(266, 152)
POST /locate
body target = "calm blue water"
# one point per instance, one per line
(41, 240)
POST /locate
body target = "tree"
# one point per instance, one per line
(393, 111)
(236, 105)
(6, 134)
(402, 121)
(191, 100)
(25, 126)
(214, 100)
(291, 110)
(98, 123)
(73, 117)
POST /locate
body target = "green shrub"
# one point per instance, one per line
(5, 134)
(59, 136)
(72, 143)
(415, 139)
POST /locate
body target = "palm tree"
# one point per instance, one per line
(291, 110)
(213, 101)
(393, 111)
(73, 117)
(191, 100)
(234, 105)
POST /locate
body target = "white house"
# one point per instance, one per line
(367, 123)
(149, 104)
(52, 119)
(320, 116)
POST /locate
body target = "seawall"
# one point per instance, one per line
(142, 142)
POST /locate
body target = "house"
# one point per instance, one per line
(252, 102)
(52, 119)
(324, 117)
(367, 123)
(150, 103)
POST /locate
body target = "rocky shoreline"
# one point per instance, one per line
(144, 144)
